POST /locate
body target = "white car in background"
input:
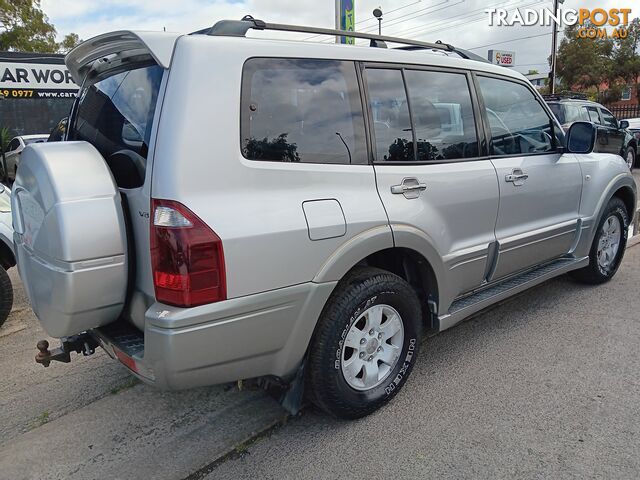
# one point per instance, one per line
(634, 127)
(7, 257)
(14, 150)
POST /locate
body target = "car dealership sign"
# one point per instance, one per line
(23, 79)
(502, 57)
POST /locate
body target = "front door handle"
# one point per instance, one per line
(410, 188)
(517, 177)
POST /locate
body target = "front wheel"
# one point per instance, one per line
(630, 157)
(608, 245)
(365, 344)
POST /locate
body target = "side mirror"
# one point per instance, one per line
(581, 137)
(623, 125)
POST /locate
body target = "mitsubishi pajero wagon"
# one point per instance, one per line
(228, 207)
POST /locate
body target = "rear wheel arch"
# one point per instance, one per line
(409, 265)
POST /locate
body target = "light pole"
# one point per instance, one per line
(554, 47)
(377, 12)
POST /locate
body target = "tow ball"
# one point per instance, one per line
(83, 343)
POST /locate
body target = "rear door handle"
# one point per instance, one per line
(517, 177)
(410, 188)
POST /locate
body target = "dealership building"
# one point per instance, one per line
(36, 91)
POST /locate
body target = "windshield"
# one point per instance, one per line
(115, 113)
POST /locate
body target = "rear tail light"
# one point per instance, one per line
(186, 257)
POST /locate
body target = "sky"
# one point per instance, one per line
(463, 23)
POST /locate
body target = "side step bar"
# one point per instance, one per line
(465, 306)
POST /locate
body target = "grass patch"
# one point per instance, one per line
(39, 421)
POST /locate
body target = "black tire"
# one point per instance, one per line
(633, 153)
(594, 273)
(361, 290)
(6, 295)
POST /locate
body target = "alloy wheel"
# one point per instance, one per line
(372, 347)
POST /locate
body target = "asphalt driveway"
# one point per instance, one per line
(546, 385)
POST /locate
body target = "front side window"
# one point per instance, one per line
(608, 119)
(390, 111)
(519, 124)
(116, 113)
(298, 110)
(442, 115)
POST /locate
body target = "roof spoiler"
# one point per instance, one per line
(124, 43)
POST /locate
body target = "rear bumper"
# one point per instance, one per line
(247, 337)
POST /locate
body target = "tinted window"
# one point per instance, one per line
(567, 113)
(297, 110)
(116, 113)
(593, 114)
(442, 115)
(390, 110)
(519, 124)
(608, 119)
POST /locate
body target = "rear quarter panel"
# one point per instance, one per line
(256, 208)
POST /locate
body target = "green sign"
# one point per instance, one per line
(347, 20)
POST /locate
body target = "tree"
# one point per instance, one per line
(25, 27)
(68, 42)
(626, 60)
(583, 62)
(532, 72)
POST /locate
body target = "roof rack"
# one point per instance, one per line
(239, 28)
(565, 96)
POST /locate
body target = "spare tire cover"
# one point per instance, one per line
(70, 237)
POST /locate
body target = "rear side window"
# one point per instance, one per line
(568, 113)
(116, 113)
(442, 115)
(301, 110)
(441, 119)
(519, 124)
(593, 114)
(390, 111)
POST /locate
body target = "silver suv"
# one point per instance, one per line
(230, 208)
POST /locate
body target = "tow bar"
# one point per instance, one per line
(83, 343)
